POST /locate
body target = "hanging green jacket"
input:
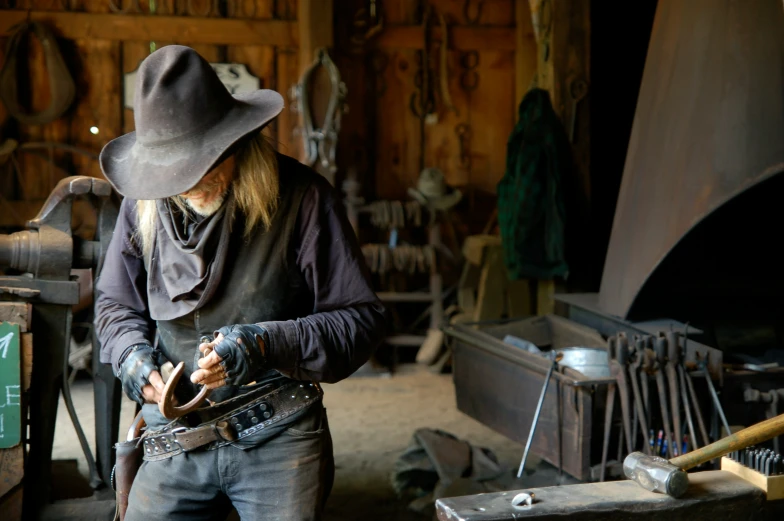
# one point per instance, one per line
(531, 208)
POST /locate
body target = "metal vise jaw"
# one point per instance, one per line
(47, 248)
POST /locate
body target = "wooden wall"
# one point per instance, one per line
(384, 138)
(382, 142)
(98, 57)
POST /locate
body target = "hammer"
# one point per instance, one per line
(669, 477)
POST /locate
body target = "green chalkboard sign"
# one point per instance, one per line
(10, 386)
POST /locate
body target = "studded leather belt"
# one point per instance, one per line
(251, 415)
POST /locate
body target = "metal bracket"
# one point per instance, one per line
(320, 144)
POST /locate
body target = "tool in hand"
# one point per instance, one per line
(670, 477)
(166, 404)
(555, 357)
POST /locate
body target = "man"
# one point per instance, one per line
(219, 236)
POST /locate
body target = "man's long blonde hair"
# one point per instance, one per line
(255, 188)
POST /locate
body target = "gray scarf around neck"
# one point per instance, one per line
(187, 259)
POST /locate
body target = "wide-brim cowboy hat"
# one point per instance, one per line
(433, 192)
(186, 123)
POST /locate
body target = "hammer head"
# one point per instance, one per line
(655, 474)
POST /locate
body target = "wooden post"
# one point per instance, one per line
(525, 51)
(561, 31)
(314, 21)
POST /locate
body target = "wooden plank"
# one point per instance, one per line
(27, 360)
(442, 145)
(314, 21)
(17, 313)
(97, 115)
(491, 119)
(399, 131)
(259, 59)
(461, 38)
(545, 296)
(287, 67)
(11, 505)
(491, 12)
(39, 175)
(193, 30)
(11, 468)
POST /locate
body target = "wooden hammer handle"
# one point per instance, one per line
(747, 437)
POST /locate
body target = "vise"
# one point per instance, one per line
(42, 257)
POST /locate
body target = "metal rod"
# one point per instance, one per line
(717, 403)
(536, 414)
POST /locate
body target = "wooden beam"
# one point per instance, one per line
(461, 38)
(314, 20)
(525, 51)
(180, 29)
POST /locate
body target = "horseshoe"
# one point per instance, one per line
(171, 411)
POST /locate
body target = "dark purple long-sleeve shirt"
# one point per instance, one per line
(347, 323)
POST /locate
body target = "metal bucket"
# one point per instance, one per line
(590, 361)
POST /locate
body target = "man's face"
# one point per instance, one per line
(207, 197)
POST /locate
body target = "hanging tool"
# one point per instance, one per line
(472, 20)
(687, 408)
(703, 367)
(367, 23)
(608, 412)
(634, 368)
(443, 71)
(670, 477)
(578, 89)
(469, 78)
(696, 407)
(424, 107)
(555, 357)
(660, 348)
(618, 369)
(673, 356)
(463, 133)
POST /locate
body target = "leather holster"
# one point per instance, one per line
(128, 461)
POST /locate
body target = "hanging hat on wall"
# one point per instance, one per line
(186, 120)
(432, 190)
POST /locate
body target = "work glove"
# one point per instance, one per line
(241, 352)
(135, 371)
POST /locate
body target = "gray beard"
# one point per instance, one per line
(206, 210)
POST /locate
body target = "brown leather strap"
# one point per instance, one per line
(195, 438)
(61, 84)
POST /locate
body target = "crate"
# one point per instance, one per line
(499, 384)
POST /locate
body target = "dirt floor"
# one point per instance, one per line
(372, 420)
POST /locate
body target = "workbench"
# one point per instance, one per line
(714, 495)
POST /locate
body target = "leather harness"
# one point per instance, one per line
(61, 84)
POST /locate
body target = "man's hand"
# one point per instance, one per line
(139, 374)
(152, 391)
(233, 358)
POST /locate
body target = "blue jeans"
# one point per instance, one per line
(285, 478)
